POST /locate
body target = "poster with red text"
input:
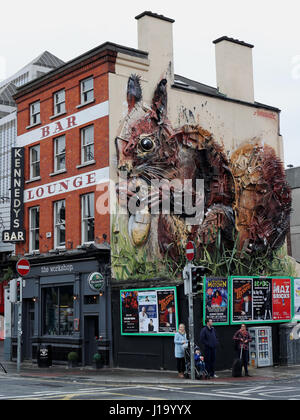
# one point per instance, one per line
(282, 307)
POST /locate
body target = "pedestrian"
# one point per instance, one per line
(242, 339)
(209, 341)
(181, 344)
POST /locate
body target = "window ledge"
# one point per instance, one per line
(62, 171)
(91, 162)
(33, 125)
(57, 115)
(38, 178)
(86, 103)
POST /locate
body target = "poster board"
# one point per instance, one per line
(216, 300)
(296, 301)
(256, 300)
(150, 311)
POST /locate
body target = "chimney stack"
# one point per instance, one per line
(155, 36)
(234, 68)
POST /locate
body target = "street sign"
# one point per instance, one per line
(190, 251)
(23, 267)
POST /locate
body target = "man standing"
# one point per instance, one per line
(242, 338)
(209, 340)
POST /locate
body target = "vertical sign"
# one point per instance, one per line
(16, 232)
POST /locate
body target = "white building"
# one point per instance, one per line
(8, 129)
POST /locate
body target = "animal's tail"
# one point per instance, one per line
(263, 197)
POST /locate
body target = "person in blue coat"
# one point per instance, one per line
(181, 344)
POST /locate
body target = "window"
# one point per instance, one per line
(59, 99)
(59, 153)
(34, 229)
(34, 162)
(87, 218)
(87, 144)
(87, 90)
(58, 310)
(35, 116)
(59, 223)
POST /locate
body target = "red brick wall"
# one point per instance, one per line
(71, 83)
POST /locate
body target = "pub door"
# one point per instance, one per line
(91, 332)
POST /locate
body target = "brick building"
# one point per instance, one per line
(111, 108)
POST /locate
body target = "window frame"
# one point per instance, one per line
(57, 155)
(58, 104)
(33, 115)
(57, 225)
(85, 220)
(32, 163)
(85, 146)
(84, 92)
(33, 231)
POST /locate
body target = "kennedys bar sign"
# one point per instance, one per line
(16, 232)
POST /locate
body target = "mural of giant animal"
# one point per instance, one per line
(246, 199)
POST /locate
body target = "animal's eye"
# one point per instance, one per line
(147, 144)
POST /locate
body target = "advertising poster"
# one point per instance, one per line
(130, 313)
(216, 300)
(297, 299)
(281, 299)
(148, 311)
(242, 299)
(148, 320)
(166, 311)
(262, 299)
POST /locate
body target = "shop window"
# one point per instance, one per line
(91, 300)
(59, 223)
(87, 218)
(34, 229)
(60, 153)
(58, 310)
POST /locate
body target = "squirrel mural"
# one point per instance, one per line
(245, 195)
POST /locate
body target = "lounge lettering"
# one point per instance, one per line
(67, 185)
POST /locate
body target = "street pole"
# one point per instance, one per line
(19, 343)
(188, 290)
(191, 329)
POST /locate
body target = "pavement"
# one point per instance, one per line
(140, 376)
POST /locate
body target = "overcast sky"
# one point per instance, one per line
(68, 28)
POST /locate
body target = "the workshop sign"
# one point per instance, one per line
(16, 232)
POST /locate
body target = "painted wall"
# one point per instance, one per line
(238, 130)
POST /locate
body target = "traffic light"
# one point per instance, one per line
(197, 274)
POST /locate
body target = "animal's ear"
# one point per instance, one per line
(134, 91)
(160, 100)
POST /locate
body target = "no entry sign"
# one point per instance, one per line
(23, 267)
(190, 251)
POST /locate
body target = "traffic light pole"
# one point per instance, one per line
(19, 343)
(188, 290)
(191, 330)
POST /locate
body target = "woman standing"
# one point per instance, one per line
(181, 343)
(242, 339)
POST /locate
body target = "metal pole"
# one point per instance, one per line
(191, 326)
(19, 344)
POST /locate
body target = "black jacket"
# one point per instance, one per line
(208, 337)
